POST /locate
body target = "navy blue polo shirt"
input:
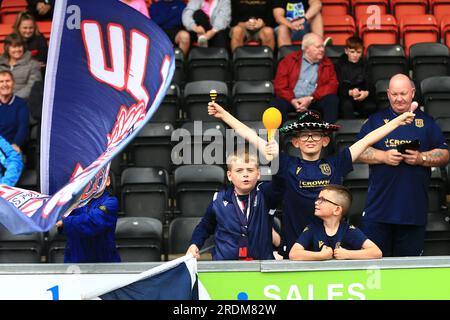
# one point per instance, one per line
(347, 236)
(399, 194)
(302, 182)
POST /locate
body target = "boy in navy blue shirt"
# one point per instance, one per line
(331, 237)
(303, 178)
(90, 230)
(239, 217)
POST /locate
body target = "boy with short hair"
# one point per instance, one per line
(330, 237)
(303, 178)
(353, 90)
(239, 216)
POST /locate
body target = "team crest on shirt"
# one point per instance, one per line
(351, 227)
(325, 168)
(419, 123)
(386, 121)
(297, 171)
(306, 229)
(225, 203)
(338, 245)
(321, 243)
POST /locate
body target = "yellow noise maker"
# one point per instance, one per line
(271, 120)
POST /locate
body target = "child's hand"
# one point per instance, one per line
(272, 148)
(193, 249)
(327, 253)
(215, 110)
(406, 118)
(340, 253)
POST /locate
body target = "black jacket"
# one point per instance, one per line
(351, 75)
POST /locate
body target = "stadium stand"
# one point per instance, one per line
(195, 186)
(335, 7)
(145, 193)
(437, 234)
(436, 96)
(384, 61)
(208, 64)
(429, 60)
(20, 248)
(180, 72)
(169, 110)
(196, 98)
(334, 52)
(153, 139)
(384, 32)
(251, 99)
(179, 235)
(362, 8)
(400, 8)
(339, 28)
(253, 63)
(346, 135)
(418, 28)
(357, 182)
(285, 50)
(139, 239)
(10, 8)
(56, 244)
(381, 97)
(439, 9)
(28, 180)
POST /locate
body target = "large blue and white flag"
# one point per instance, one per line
(109, 68)
(173, 280)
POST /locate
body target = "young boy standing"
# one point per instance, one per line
(330, 237)
(353, 90)
(239, 216)
(303, 178)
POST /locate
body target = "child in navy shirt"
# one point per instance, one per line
(239, 217)
(331, 237)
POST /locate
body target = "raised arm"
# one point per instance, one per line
(360, 146)
(247, 133)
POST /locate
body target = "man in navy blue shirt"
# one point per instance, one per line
(239, 217)
(14, 117)
(397, 202)
(299, 180)
(330, 237)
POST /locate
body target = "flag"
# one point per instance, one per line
(173, 280)
(108, 70)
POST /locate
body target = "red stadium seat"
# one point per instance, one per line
(400, 8)
(45, 27)
(362, 8)
(439, 8)
(335, 7)
(10, 8)
(383, 31)
(445, 30)
(339, 28)
(418, 28)
(5, 30)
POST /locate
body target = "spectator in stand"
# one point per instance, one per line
(18, 60)
(252, 21)
(351, 71)
(396, 210)
(208, 22)
(11, 164)
(14, 117)
(295, 18)
(167, 14)
(139, 5)
(26, 27)
(42, 10)
(306, 80)
(331, 237)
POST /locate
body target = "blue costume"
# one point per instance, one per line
(11, 164)
(232, 230)
(90, 231)
(303, 181)
(14, 120)
(347, 236)
(397, 195)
